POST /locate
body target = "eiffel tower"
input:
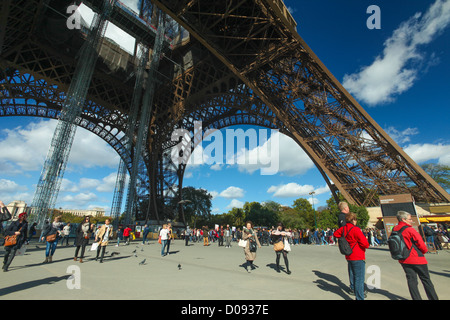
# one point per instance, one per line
(228, 63)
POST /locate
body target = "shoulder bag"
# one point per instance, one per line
(51, 238)
(11, 240)
(278, 246)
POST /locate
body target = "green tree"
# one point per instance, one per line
(306, 211)
(291, 218)
(237, 216)
(259, 215)
(198, 208)
(439, 173)
(360, 211)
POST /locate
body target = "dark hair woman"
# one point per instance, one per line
(250, 236)
(18, 228)
(279, 235)
(83, 233)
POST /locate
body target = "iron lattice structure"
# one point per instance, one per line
(230, 63)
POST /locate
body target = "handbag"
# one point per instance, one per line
(11, 240)
(51, 238)
(278, 246)
(252, 246)
(287, 246)
(242, 243)
(94, 246)
(159, 240)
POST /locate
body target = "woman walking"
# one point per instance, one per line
(51, 234)
(18, 228)
(104, 234)
(250, 236)
(227, 235)
(279, 235)
(83, 233)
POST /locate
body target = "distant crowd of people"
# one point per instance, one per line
(352, 242)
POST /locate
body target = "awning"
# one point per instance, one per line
(437, 219)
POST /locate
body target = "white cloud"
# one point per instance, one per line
(216, 167)
(232, 192)
(292, 160)
(401, 136)
(68, 186)
(290, 190)
(295, 190)
(79, 200)
(214, 194)
(393, 72)
(27, 148)
(108, 183)
(235, 204)
(9, 187)
(421, 153)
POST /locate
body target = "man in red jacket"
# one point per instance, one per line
(416, 264)
(356, 260)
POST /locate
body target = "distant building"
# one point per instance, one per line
(16, 207)
(94, 212)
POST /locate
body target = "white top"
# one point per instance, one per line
(106, 236)
(164, 233)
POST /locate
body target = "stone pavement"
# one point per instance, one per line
(207, 273)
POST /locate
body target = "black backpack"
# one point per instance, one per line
(344, 246)
(397, 245)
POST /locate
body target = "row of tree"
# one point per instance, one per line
(301, 215)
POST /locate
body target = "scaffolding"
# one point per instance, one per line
(129, 134)
(146, 110)
(57, 157)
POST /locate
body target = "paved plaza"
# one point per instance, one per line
(207, 273)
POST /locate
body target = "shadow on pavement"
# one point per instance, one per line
(31, 284)
(339, 288)
(331, 283)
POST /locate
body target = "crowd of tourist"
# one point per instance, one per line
(251, 238)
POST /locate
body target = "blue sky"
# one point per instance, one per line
(398, 73)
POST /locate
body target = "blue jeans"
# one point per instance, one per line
(51, 247)
(357, 274)
(163, 246)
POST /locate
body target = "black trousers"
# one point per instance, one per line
(103, 248)
(10, 253)
(83, 248)
(421, 270)
(286, 261)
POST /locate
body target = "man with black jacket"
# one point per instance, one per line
(343, 207)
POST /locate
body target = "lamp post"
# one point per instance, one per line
(182, 209)
(312, 193)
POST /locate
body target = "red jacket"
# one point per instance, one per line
(356, 239)
(126, 232)
(417, 253)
